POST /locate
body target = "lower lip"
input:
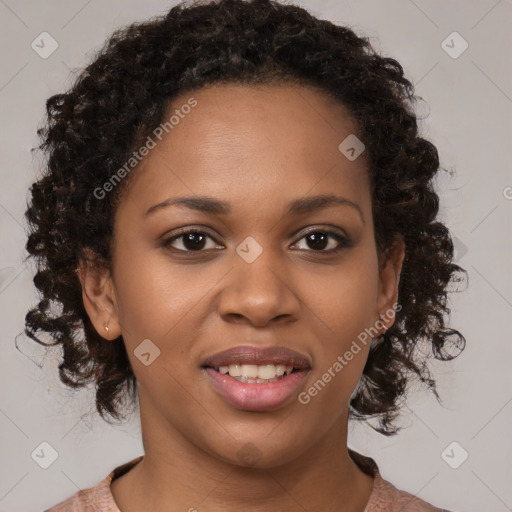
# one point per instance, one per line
(256, 397)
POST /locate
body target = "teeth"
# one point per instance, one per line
(250, 371)
(267, 371)
(253, 373)
(247, 380)
(280, 369)
(235, 370)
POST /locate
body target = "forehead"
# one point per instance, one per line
(251, 141)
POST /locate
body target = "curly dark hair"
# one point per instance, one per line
(122, 96)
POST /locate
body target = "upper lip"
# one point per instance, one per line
(246, 354)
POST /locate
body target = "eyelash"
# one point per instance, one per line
(343, 241)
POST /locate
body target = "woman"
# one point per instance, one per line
(237, 219)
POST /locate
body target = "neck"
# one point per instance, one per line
(178, 475)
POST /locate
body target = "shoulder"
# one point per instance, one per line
(95, 499)
(92, 499)
(385, 496)
(86, 500)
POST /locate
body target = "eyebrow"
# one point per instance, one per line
(299, 206)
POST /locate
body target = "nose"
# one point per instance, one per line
(259, 293)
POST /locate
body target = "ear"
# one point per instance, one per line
(389, 278)
(99, 298)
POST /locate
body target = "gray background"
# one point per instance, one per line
(469, 103)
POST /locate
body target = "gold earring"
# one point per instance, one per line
(381, 318)
(106, 327)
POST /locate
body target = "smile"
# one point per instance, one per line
(255, 378)
(256, 374)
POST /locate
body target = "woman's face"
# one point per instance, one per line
(272, 265)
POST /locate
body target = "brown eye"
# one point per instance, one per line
(318, 241)
(190, 241)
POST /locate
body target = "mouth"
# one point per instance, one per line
(256, 378)
(256, 374)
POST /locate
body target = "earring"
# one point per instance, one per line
(106, 327)
(381, 318)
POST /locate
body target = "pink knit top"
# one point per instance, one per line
(384, 498)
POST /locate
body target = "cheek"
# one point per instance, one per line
(347, 310)
(340, 356)
(152, 297)
(155, 306)
(162, 303)
(348, 300)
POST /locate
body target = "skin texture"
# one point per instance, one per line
(257, 148)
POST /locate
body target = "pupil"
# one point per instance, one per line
(191, 244)
(322, 238)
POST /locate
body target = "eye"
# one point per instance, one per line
(318, 240)
(322, 241)
(191, 240)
